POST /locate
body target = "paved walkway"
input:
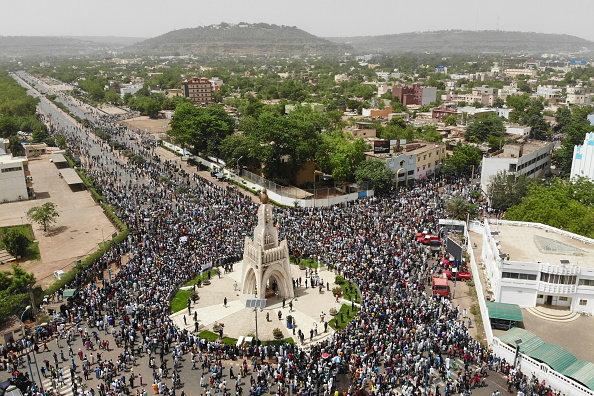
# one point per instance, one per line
(241, 321)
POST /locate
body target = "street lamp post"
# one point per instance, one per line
(237, 166)
(25, 345)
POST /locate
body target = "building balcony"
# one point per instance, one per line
(554, 288)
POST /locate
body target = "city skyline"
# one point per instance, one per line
(346, 18)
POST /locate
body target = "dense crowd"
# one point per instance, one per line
(402, 339)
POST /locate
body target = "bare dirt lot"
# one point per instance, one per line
(145, 124)
(77, 231)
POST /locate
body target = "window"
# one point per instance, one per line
(558, 279)
(562, 298)
(5, 170)
(540, 296)
(586, 282)
(515, 275)
(583, 302)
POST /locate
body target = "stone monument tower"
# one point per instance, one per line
(266, 267)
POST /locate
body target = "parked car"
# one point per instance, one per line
(429, 239)
(461, 275)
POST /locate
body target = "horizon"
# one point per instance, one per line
(332, 18)
(370, 35)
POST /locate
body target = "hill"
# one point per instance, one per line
(470, 42)
(40, 47)
(239, 39)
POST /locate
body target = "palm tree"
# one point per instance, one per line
(459, 208)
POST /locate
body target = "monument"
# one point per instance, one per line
(266, 270)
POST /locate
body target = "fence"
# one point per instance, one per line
(527, 364)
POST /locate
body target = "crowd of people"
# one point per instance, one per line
(401, 341)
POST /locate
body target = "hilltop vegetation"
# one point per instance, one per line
(469, 42)
(240, 39)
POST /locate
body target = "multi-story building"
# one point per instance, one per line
(415, 94)
(199, 90)
(582, 163)
(15, 178)
(412, 160)
(531, 158)
(532, 264)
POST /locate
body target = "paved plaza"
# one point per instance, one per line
(308, 305)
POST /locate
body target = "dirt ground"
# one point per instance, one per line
(145, 124)
(77, 231)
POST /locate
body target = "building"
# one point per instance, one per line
(531, 158)
(412, 160)
(199, 90)
(582, 163)
(415, 94)
(375, 112)
(442, 112)
(15, 178)
(532, 264)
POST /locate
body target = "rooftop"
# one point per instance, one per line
(532, 244)
(518, 150)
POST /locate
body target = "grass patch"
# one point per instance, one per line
(180, 301)
(32, 252)
(201, 277)
(336, 324)
(350, 292)
(209, 335)
(309, 263)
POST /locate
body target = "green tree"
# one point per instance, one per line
(483, 127)
(376, 173)
(462, 161)
(61, 141)
(202, 128)
(451, 120)
(43, 215)
(557, 204)
(461, 209)
(112, 97)
(15, 242)
(507, 189)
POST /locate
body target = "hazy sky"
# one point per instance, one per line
(149, 18)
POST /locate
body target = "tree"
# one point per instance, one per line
(112, 97)
(461, 209)
(375, 172)
(61, 141)
(15, 242)
(451, 120)
(507, 189)
(558, 204)
(202, 128)
(462, 161)
(483, 127)
(43, 215)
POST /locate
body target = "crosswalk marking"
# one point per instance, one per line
(65, 390)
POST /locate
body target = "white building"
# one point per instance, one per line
(532, 264)
(14, 176)
(516, 129)
(582, 163)
(130, 88)
(531, 158)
